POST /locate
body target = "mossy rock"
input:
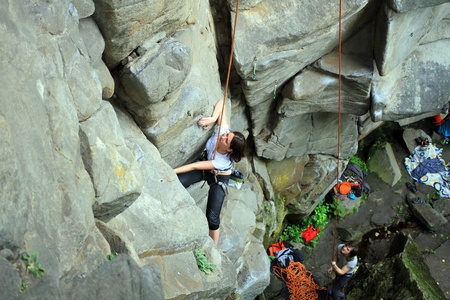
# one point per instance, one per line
(383, 163)
(403, 275)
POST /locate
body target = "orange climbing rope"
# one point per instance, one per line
(300, 283)
(228, 76)
(339, 133)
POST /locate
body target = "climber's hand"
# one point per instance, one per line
(205, 122)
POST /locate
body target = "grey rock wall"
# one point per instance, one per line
(100, 99)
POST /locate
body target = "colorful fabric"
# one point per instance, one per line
(440, 180)
(275, 247)
(309, 233)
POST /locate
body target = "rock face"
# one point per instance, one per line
(112, 166)
(404, 266)
(403, 80)
(100, 99)
(426, 214)
(382, 162)
(126, 24)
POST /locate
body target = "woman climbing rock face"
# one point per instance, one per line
(216, 170)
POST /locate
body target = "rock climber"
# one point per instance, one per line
(346, 254)
(216, 170)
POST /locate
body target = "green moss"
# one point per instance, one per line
(278, 217)
(419, 270)
(356, 160)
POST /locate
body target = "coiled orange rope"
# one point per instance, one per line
(300, 283)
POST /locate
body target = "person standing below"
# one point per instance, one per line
(216, 170)
(346, 254)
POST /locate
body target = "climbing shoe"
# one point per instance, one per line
(419, 200)
(411, 187)
(422, 141)
(340, 295)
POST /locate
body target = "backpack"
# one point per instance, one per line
(275, 247)
(285, 257)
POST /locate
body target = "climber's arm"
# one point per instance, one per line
(205, 122)
(338, 270)
(198, 165)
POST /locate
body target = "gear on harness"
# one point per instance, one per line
(236, 179)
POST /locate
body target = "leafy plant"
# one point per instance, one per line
(363, 198)
(319, 218)
(340, 211)
(430, 251)
(400, 210)
(356, 160)
(33, 265)
(111, 256)
(292, 233)
(202, 262)
(280, 199)
(24, 286)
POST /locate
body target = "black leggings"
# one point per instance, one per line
(340, 282)
(216, 193)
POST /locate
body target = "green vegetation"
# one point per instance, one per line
(271, 218)
(33, 266)
(319, 219)
(356, 160)
(363, 198)
(400, 209)
(430, 251)
(24, 286)
(279, 199)
(111, 256)
(202, 262)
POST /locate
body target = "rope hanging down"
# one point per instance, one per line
(339, 133)
(228, 77)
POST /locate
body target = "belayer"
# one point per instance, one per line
(216, 170)
(346, 255)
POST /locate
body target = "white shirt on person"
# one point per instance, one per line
(349, 263)
(220, 162)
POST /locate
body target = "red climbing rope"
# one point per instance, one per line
(339, 134)
(228, 76)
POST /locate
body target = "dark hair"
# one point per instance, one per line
(238, 146)
(354, 247)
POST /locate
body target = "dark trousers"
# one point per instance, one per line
(340, 282)
(216, 195)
